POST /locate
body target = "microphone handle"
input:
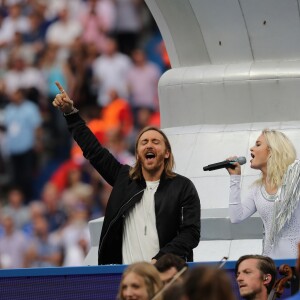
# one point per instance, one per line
(220, 165)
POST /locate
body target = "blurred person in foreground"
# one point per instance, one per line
(206, 282)
(168, 266)
(145, 199)
(174, 292)
(140, 281)
(255, 275)
(297, 295)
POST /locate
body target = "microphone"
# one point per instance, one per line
(225, 164)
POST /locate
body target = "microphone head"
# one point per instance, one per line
(241, 160)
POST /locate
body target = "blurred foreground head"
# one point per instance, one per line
(205, 282)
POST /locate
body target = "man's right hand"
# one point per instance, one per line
(62, 101)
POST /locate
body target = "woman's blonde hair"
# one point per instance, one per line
(282, 154)
(136, 171)
(150, 275)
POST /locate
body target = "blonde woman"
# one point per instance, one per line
(275, 196)
(140, 281)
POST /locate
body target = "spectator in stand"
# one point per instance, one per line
(5, 174)
(35, 37)
(55, 215)
(117, 115)
(21, 74)
(81, 74)
(23, 121)
(5, 37)
(143, 82)
(76, 191)
(12, 244)
(74, 238)
(109, 72)
(16, 207)
(42, 7)
(91, 55)
(36, 210)
(15, 21)
(98, 19)
(52, 68)
(129, 24)
(5, 170)
(53, 7)
(42, 251)
(6, 33)
(64, 31)
(59, 177)
(18, 48)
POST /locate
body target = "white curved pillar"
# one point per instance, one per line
(235, 70)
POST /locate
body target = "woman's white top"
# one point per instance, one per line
(280, 212)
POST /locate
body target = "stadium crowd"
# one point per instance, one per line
(109, 55)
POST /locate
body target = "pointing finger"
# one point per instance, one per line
(61, 89)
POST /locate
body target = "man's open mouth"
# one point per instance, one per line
(150, 155)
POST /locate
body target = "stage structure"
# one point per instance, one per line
(86, 283)
(235, 71)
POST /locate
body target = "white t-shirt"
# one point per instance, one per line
(140, 238)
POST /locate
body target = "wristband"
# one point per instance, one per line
(74, 111)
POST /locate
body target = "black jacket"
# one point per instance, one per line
(177, 205)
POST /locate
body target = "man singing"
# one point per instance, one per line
(151, 210)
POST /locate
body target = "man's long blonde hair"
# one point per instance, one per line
(136, 171)
(282, 154)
